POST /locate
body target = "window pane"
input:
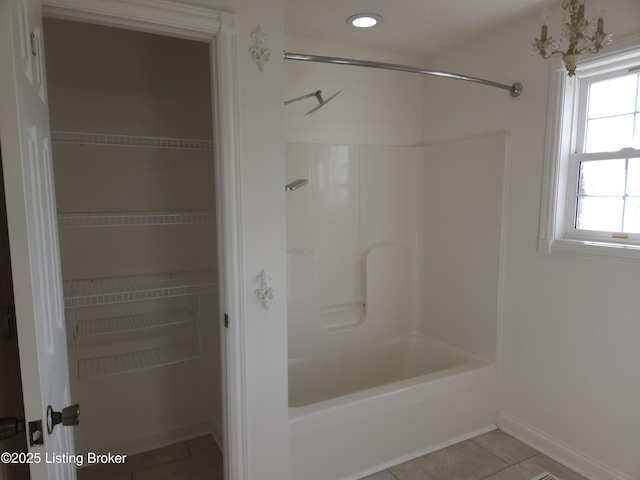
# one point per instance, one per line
(632, 215)
(609, 134)
(602, 177)
(599, 213)
(612, 97)
(633, 177)
(636, 137)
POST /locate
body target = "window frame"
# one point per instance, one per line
(557, 232)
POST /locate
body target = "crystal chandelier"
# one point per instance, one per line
(581, 34)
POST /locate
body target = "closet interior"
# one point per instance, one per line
(133, 155)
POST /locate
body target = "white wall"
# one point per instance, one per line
(260, 97)
(569, 339)
(375, 107)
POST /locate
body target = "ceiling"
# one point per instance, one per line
(415, 27)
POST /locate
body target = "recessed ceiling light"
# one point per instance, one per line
(364, 20)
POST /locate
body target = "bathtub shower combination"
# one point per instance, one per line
(393, 285)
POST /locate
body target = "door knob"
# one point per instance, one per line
(69, 416)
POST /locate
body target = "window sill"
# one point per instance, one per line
(591, 249)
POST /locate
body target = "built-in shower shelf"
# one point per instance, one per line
(131, 323)
(115, 140)
(100, 291)
(117, 219)
(136, 360)
(343, 307)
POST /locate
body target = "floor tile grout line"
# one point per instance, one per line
(494, 454)
(525, 459)
(502, 459)
(497, 471)
(511, 466)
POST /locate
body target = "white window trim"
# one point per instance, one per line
(560, 138)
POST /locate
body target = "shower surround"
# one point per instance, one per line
(394, 258)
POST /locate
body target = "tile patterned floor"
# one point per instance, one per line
(492, 456)
(197, 459)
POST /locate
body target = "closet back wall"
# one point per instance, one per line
(148, 88)
(103, 79)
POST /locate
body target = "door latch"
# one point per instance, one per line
(69, 416)
(35, 433)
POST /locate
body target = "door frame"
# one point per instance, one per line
(219, 30)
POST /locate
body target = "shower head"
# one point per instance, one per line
(318, 95)
(296, 184)
(321, 101)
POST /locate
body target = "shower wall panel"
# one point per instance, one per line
(391, 219)
(389, 240)
(351, 241)
(336, 215)
(463, 189)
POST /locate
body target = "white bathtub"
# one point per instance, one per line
(356, 413)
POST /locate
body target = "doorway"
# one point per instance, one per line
(132, 148)
(218, 31)
(10, 387)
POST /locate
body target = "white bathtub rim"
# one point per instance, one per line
(441, 343)
(472, 363)
(400, 387)
(411, 336)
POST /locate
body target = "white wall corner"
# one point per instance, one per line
(553, 151)
(558, 450)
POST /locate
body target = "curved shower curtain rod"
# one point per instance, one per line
(514, 90)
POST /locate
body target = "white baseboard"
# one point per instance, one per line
(152, 440)
(558, 450)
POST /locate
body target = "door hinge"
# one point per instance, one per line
(10, 427)
(9, 314)
(34, 45)
(226, 320)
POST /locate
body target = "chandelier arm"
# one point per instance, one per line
(549, 55)
(595, 49)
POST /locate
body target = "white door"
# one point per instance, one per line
(33, 237)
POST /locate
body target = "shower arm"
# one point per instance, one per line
(309, 95)
(514, 90)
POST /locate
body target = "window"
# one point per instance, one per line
(591, 196)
